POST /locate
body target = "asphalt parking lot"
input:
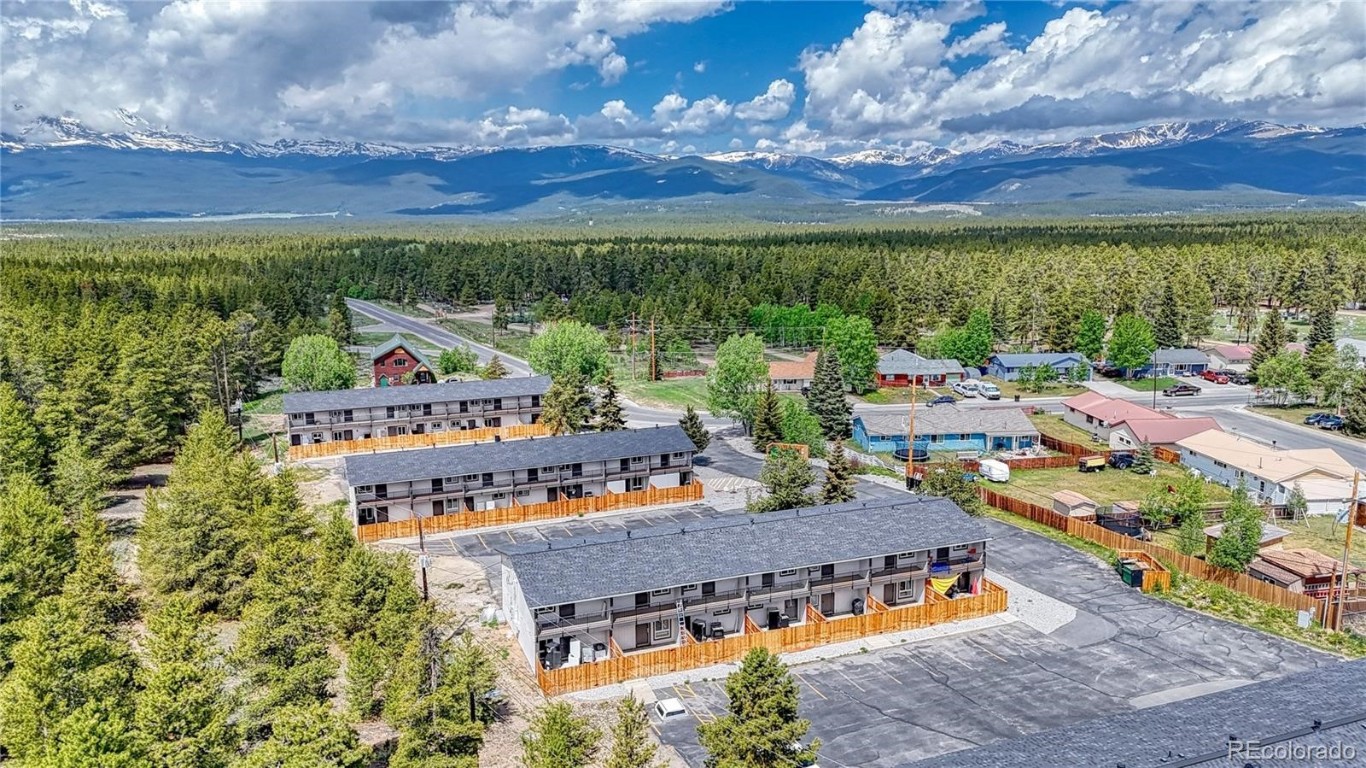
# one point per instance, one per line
(1122, 651)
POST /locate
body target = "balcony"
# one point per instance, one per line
(958, 565)
(841, 581)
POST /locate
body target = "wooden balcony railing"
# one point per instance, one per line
(816, 630)
(523, 513)
(428, 440)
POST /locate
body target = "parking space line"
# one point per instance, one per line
(483, 543)
(594, 526)
(813, 688)
(851, 680)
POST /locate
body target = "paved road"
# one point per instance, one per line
(1286, 435)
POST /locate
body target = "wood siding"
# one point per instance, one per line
(427, 440)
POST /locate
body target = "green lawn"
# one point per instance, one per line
(410, 311)
(1292, 413)
(1317, 532)
(670, 393)
(1009, 389)
(1054, 426)
(900, 395)
(515, 343)
(1146, 385)
(1106, 487)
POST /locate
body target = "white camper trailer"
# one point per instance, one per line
(995, 471)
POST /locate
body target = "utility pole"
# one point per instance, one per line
(1346, 551)
(654, 375)
(633, 346)
(910, 434)
(1154, 372)
(274, 448)
(422, 559)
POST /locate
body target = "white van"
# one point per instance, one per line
(989, 391)
(967, 388)
(669, 708)
(993, 470)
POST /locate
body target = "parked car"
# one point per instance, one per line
(1180, 390)
(1332, 422)
(989, 391)
(966, 388)
(1215, 376)
(669, 708)
(1240, 378)
(1094, 463)
(943, 400)
(1121, 459)
(1314, 418)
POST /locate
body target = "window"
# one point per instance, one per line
(400, 362)
(545, 611)
(661, 629)
(722, 612)
(317, 437)
(389, 412)
(905, 590)
(637, 459)
(523, 492)
(567, 611)
(689, 587)
(337, 436)
(396, 431)
(906, 556)
(1090, 420)
(347, 416)
(1221, 465)
(708, 588)
(364, 489)
(960, 547)
(437, 485)
(500, 495)
(635, 484)
(678, 455)
(533, 475)
(788, 572)
(471, 478)
(661, 592)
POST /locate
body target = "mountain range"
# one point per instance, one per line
(56, 168)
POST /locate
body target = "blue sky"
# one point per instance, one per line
(819, 78)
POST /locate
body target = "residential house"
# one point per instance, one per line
(1234, 357)
(947, 428)
(792, 375)
(362, 414)
(1357, 347)
(901, 368)
(431, 482)
(1098, 414)
(1175, 362)
(1160, 430)
(397, 362)
(1270, 473)
(1008, 367)
(581, 600)
(1307, 571)
(1272, 536)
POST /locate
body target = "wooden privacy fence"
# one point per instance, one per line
(524, 513)
(1166, 454)
(1156, 578)
(1191, 566)
(1031, 462)
(1074, 449)
(817, 630)
(426, 440)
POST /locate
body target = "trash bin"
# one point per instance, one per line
(1017, 398)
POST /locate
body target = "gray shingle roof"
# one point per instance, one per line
(372, 397)
(571, 570)
(397, 341)
(1194, 732)
(455, 460)
(950, 420)
(1182, 357)
(900, 361)
(1036, 358)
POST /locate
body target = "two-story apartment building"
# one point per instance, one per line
(361, 414)
(569, 601)
(431, 482)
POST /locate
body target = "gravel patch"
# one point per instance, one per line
(1034, 608)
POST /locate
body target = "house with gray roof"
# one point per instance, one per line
(947, 428)
(449, 480)
(568, 601)
(1175, 362)
(902, 368)
(397, 362)
(1009, 367)
(373, 412)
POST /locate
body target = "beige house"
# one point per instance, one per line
(1271, 474)
(792, 375)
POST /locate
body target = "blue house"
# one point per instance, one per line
(1175, 362)
(947, 428)
(1008, 367)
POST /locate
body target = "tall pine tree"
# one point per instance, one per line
(631, 745)
(694, 428)
(761, 728)
(558, 738)
(768, 420)
(1167, 323)
(609, 415)
(1323, 320)
(839, 476)
(37, 550)
(826, 399)
(21, 446)
(1271, 339)
(567, 404)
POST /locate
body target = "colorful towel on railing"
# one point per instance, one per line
(942, 585)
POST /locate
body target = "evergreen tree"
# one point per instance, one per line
(95, 736)
(1296, 505)
(1090, 338)
(1320, 364)
(761, 728)
(839, 477)
(1143, 460)
(1323, 321)
(496, 369)
(768, 420)
(567, 405)
(365, 671)
(1271, 339)
(37, 550)
(361, 589)
(184, 712)
(308, 736)
(609, 415)
(1167, 323)
(188, 542)
(1190, 535)
(949, 481)
(826, 399)
(339, 321)
(1240, 539)
(64, 660)
(557, 738)
(785, 476)
(1354, 406)
(21, 446)
(281, 651)
(435, 697)
(694, 428)
(79, 478)
(631, 745)
(94, 581)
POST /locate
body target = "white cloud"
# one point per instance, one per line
(700, 67)
(772, 104)
(703, 116)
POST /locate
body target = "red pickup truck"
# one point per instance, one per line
(1210, 374)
